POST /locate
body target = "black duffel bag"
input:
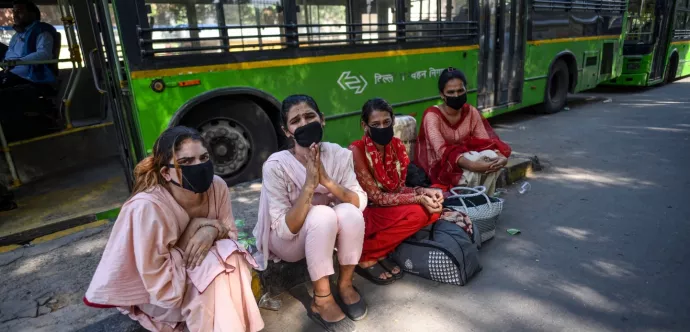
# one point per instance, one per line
(443, 253)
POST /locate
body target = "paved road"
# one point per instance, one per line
(604, 242)
(605, 231)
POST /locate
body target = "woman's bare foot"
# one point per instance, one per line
(327, 308)
(396, 270)
(368, 264)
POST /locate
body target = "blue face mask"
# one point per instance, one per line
(197, 178)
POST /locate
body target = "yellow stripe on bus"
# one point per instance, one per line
(294, 62)
(575, 39)
(681, 42)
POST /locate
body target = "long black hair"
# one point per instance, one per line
(449, 74)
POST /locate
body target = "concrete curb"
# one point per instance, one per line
(517, 169)
(56, 235)
(70, 225)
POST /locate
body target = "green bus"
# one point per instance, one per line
(223, 67)
(130, 69)
(657, 44)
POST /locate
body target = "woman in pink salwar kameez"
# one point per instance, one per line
(172, 261)
(311, 204)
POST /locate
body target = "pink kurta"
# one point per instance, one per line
(283, 178)
(141, 270)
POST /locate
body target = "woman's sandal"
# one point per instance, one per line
(372, 274)
(343, 325)
(389, 265)
(356, 311)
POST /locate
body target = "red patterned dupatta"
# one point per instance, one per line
(441, 143)
(390, 174)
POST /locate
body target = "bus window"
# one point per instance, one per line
(378, 21)
(422, 12)
(258, 20)
(49, 14)
(183, 15)
(195, 27)
(329, 15)
(641, 18)
(460, 11)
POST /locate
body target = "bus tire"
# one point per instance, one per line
(239, 134)
(556, 91)
(671, 69)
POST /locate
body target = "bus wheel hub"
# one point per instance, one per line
(228, 146)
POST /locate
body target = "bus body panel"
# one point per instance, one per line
(683, 50)
(339, 87)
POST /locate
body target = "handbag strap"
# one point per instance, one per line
(475, 192)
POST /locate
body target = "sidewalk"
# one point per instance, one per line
(43, 282)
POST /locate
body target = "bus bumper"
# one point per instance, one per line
(629, 80)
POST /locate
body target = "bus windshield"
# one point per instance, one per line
(641, 18)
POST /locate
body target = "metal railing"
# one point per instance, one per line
(681, 34)
(302, 35)
(604, 6)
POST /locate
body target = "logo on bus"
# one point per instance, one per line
(352, 82)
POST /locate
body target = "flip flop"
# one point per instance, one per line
(389, 265)
(356, 311)
(372, 274)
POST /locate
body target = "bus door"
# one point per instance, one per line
(110, 79)
(501, 52)
(661, 33)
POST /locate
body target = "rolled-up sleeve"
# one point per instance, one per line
(277, 195)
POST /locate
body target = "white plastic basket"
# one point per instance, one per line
(484, 215)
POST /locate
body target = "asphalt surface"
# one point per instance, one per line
(604, 230)
(603, 244)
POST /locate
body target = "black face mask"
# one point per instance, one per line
(456, 103)
(197, 178)
(309, 134)
(381, 136)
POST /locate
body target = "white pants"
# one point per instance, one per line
(473, 179)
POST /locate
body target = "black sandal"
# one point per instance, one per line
(389, 265)
(372, 274)
(343, 325)
(356, 311)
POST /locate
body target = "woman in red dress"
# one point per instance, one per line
(456, 145)
(395, 211)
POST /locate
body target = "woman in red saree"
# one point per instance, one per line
(395, 211)
(456, 145)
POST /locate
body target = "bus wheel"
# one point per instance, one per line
(556, 92)
(671, 69)
(239, 134)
